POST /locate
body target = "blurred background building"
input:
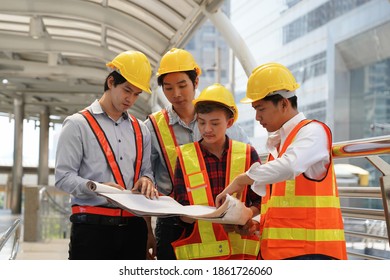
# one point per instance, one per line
(338, 51)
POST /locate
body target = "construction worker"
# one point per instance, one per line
(300, 208)
(104, 143)
(178, 75)
(202, 171)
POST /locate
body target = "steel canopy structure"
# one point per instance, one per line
(53, 56)
(53, 52)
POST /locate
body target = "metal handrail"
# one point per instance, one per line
(15, 228)
(363, 256)
(365, 235)
(46, 199)
(363, 213)
(362, 192)
(57, 207)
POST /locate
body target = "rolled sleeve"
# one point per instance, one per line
(258, 187)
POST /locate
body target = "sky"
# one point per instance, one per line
(30, 142)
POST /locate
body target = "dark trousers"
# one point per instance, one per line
(109, 242)
(311, 257)
(167, 231)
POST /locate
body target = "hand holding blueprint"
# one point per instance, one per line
(232, 211)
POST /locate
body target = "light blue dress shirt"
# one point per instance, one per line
(79, 157)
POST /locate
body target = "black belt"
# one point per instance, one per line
(92, 219)
(172, 221)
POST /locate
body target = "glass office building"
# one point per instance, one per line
(338, 51)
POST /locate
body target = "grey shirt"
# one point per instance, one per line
(184, 134)
(79, 157)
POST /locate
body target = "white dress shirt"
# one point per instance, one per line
(308, 153)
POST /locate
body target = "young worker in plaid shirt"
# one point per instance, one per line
(203, 169)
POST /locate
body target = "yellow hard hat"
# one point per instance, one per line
(135, 67)
(266, 79)
(219, 94)
(178, 60)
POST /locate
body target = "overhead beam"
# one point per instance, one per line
(16, 43)
(50, 87)
(44, 70)
(88, 11)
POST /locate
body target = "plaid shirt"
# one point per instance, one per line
(216, 170)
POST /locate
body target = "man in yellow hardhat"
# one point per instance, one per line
(214, 161)
(104, 143)
(300, 208)
(178, 75)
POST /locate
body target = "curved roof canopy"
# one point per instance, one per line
(53, 52)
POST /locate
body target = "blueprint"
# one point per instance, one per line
(232, 211)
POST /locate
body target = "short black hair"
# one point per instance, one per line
(205, 107)
(118, 79)
(277, 97)
(191, 74)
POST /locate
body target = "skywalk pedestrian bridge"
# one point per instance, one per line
(42, 230)
(52, 64)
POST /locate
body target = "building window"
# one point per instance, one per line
(310, 67)
(318, 17)
(291, 3)
(315, 111)
(370, 93)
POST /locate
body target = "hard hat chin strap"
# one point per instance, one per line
(118, 71)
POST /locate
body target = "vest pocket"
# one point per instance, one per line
(280, 229)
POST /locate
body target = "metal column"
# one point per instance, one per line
(43, 165)
(233, 38)
(17, 169)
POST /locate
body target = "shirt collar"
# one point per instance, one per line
(96, 109)
(174, 117)
(207, 153)
(277, 138)
(289, 125)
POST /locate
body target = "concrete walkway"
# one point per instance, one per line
(56, 249)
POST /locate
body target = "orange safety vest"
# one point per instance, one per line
(302, 216)
(209, 240)
(112, 163)
(166, 139)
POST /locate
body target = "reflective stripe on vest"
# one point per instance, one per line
(244, 247)
(302, 216)
(99, 210)
(139, 144)
(239, 161)
(107, 150)
(166, 139)
(208, 240)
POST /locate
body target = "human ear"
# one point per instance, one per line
(110, 82)
(196, 83)
(230, 122)
(284, 103)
